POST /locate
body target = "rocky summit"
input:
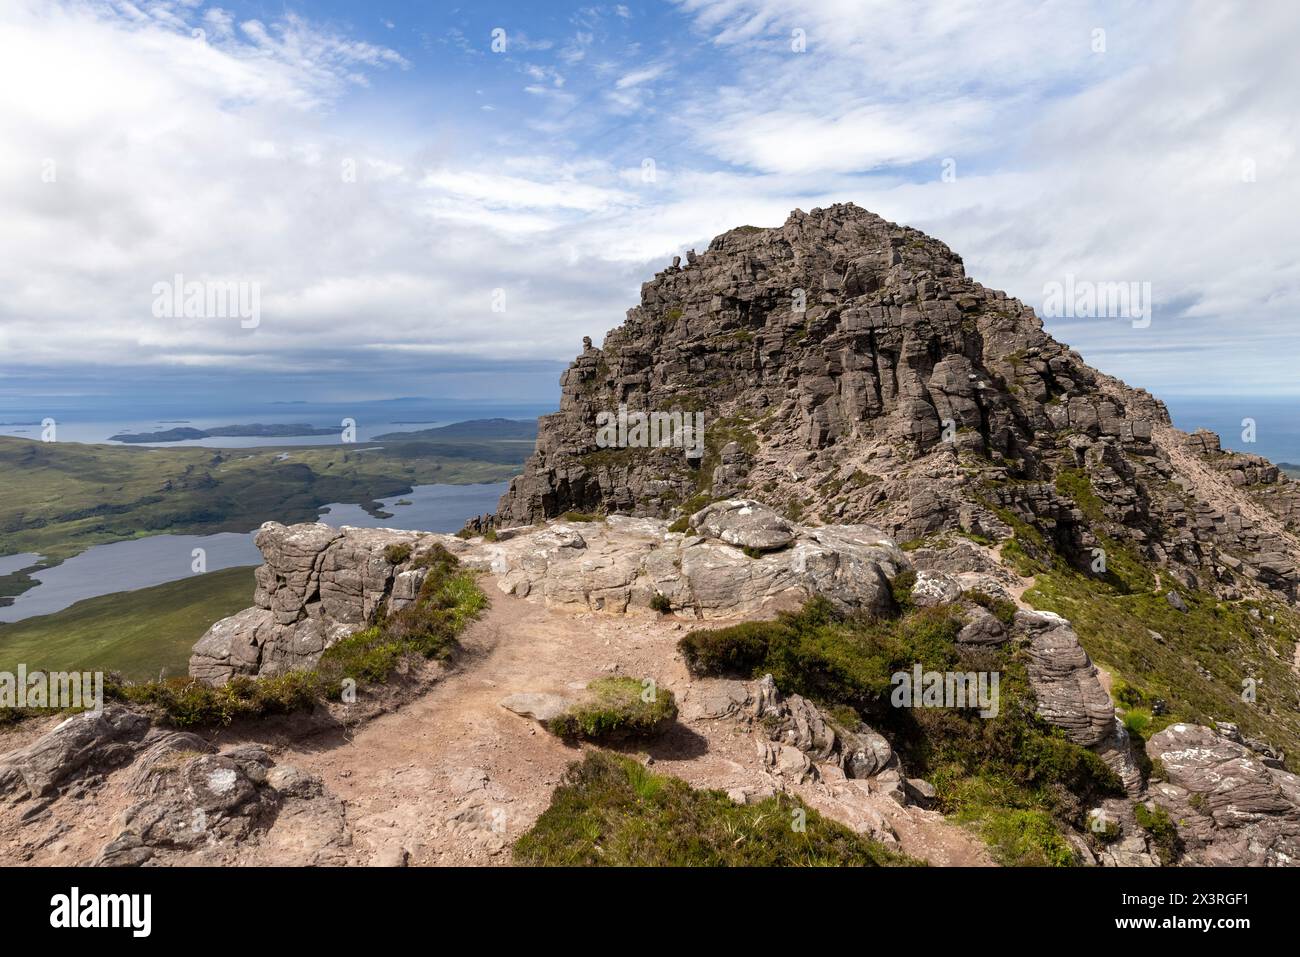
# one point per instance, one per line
(848, 370)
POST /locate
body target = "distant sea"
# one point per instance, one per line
(1277, 422)
(86, 423)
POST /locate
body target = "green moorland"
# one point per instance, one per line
(139, 634)
(61, 498)
(1013, 777)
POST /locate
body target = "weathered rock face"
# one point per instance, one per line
(848, 369)
(1070, 695)
(320, 584)
(799, 741)
(1231, 807)
(182, 800)
(1065, 682)
(102, 739)
(624, 563)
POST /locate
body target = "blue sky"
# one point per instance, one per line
(384, 177)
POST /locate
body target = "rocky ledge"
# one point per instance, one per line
(318, 584)
(1230, 805)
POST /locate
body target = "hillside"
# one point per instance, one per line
(139, 634)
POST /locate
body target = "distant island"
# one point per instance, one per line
(496, 430)
(1290, 468)
(223, 431)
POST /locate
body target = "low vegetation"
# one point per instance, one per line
(448, 600)
(1019, 780)
(1004, 610)
(397, 553)
(1198, 664)
(612, 811)
(617, 709)
(1164, 835)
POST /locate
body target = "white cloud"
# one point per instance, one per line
(643, 75)
(217, 157)
(857, 139)
(1125, 164)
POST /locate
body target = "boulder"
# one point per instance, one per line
(1065, 682)
(190, 800)
(982, 628)
(934, 588)
(101, 739)
(745, 524)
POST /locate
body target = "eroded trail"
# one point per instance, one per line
(453, 778)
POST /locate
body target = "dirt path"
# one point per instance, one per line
(1016, 589)
(453, 778)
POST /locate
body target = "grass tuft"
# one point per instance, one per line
(617, 709)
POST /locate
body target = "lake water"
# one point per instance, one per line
(153, 560)
(13, 563)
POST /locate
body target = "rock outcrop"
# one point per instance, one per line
(1229, 806)
(319, 584)
(181, 799)
(87, 741)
